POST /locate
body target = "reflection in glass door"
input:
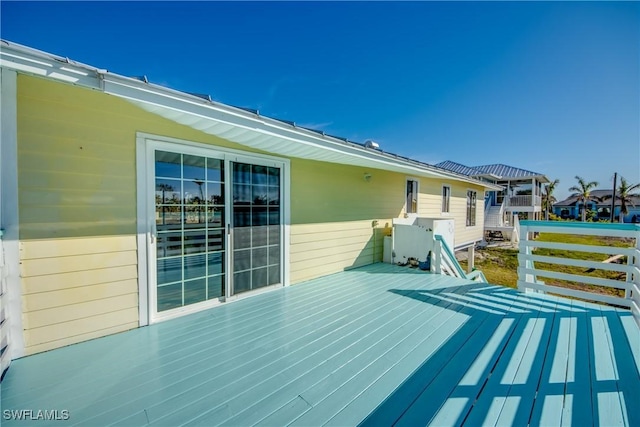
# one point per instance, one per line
(189, 213)
(256, 226)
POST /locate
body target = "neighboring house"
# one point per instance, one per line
(521, 192)
(571, 207)
(125, 203)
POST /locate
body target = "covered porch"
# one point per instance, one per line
(377, 345)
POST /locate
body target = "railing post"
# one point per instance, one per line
(634, 261)
(438, 251)
(525, 250)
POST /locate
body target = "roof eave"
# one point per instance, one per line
(263, 131)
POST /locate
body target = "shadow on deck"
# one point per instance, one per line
(522, 360)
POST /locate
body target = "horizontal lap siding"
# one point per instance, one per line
(333, 209)
(76, 159)
(76, 289)
(430, 199)
(320, 249)
(466, 234)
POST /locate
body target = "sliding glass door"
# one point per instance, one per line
(217, 229)
(256, 226)
(190, 229)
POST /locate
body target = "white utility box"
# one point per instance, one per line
(414, 237)
(442, 227)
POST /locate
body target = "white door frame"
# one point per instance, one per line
(9, 214)
(146, 144)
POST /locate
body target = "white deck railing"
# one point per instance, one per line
(526, 200)
(528, 273)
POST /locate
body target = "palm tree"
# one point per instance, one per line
(625, 194)
(583, 193)
(547, 196)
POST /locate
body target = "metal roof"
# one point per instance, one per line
(505, 171)
(240, 125)
(458, 168)
(497, 171)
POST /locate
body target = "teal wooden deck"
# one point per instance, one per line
(378, 345)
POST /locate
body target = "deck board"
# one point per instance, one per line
(375, 345)
(549, 403)
(621, 357)
(604, 391)
(578, 403)
(378, 347)
(507, 357)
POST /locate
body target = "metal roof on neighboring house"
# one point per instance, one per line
(505, 171)
(498, 171)
(458, 168)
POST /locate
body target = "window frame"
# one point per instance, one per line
(415, 198)
(472, 208)
(445, 207)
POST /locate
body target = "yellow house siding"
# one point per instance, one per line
(328, 192)
(73, 288)
(466, 234)
(430, 198)
(76, 159)
(332, 212)
(325, 248)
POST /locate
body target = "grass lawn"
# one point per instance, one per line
(500, 265)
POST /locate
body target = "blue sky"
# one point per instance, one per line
(549, 87)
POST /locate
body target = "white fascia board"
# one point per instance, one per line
(36, 63)
(260, 132)
(178, 108)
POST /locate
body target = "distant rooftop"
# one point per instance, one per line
(603, 195)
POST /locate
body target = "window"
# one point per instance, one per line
(412, 196)
(471, 208)
(446, 198)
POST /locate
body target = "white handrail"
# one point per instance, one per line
(528, 273)
(446, 262)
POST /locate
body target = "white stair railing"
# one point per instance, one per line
(446, 262)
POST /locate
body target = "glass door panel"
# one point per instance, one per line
(190, 224)
(256, 226)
